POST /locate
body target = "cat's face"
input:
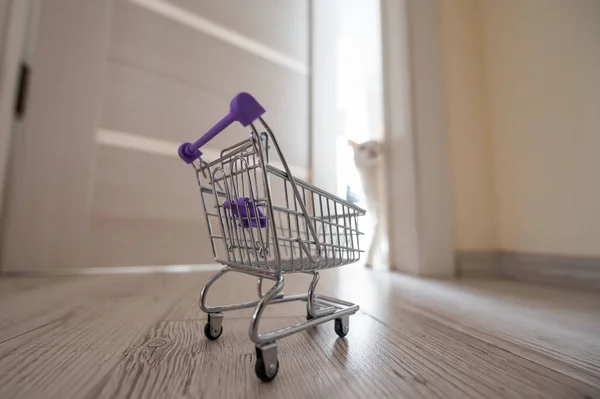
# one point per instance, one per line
(367, 153)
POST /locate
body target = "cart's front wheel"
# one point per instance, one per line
(214, 327)
(267, 364)
(264, 374)
(342, 326)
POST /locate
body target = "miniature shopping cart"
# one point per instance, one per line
(264, 222)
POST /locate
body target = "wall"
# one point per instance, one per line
(542, 71)
(523, 103)
(474, 201)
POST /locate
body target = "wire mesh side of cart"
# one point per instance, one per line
(256, 220)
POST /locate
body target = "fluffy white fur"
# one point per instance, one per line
(368, 158)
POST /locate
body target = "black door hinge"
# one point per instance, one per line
(22, 90)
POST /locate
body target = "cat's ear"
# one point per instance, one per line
(352, 144)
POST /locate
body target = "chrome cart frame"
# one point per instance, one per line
(264, 222)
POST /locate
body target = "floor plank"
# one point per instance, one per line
(559, 329)
(66, 357)
(10, 286)
(176, 361)
(142, 336)
(313, 364)
(28, 309)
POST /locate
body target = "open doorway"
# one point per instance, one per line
(350, 39)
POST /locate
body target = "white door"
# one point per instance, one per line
(94, 179)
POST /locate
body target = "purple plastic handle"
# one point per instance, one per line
(243, 109)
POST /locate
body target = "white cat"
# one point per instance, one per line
(368, 158)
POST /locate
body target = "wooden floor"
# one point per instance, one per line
(141, 336)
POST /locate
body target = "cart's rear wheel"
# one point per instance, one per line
(210, 334)
(213, 327)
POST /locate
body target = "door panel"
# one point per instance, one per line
(132, 184)
(158, 106)
(118, 66)
(281, 25)
(48, 192)
(159, 47)
(151, 242)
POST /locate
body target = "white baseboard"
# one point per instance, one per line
(478, 263)
(564, 271)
